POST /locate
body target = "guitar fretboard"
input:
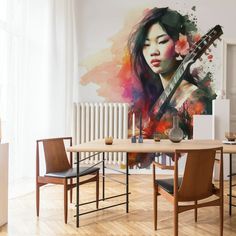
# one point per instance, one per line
(169, 90)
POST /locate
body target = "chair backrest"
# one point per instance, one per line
(55, 154)
(198, 173)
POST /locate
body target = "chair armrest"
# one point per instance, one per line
(163, 167)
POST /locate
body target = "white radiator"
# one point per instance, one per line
(99, 120)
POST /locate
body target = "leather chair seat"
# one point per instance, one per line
(72, 172)
(168, 184)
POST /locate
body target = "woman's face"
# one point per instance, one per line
(159, 50)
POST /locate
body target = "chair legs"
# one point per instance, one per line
(155, 205)
(37, 198)
(155, 209)
(221, 218)
(71, 190)
(195, 211)
(97, 189)
(67, 186)
(176, 215)
(65, 201)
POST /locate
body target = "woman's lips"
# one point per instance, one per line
(155, 62)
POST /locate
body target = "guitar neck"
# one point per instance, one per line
(158, 107)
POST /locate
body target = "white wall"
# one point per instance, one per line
(230, 76)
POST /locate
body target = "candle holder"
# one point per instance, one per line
(108, 140)
(140, 139)
(133, 139)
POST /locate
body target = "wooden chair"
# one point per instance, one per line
(59, 170)
(195, 185)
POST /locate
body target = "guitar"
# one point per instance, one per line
(158, 109)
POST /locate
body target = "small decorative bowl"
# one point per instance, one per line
(108, 140)
(230, 136)
(156, 137)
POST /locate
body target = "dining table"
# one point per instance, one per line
(147, 146)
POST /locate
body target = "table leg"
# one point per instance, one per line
(230, 184)
(127, 183)
(103, 176)
(77, 191)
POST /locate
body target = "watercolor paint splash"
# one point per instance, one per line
(111, 70)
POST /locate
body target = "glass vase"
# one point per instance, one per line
(176, 134)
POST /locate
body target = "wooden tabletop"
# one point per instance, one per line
(149, 145)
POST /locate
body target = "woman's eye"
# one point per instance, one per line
(163, 41)
(146, 45)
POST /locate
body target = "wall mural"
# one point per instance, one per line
(153, 73)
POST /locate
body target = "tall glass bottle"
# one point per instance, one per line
(176, 134)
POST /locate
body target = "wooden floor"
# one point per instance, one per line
(114, 221)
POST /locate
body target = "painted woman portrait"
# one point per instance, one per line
(151, 69)
(157, 46)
